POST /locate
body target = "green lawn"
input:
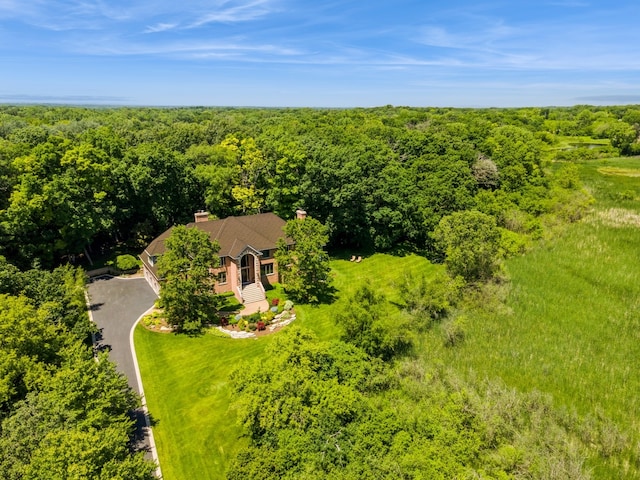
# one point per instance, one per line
(382, 272)
(185, 382)
(185, 378)
(565, 141)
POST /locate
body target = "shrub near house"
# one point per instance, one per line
(126, 263)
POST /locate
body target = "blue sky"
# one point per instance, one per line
(320, 53)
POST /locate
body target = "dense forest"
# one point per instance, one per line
(77, 184)
(74, 181)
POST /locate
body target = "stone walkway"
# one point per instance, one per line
(261, 306)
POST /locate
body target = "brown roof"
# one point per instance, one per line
(234, 234)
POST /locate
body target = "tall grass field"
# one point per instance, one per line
(570, 322)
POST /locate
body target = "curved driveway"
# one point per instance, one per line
(116, 304)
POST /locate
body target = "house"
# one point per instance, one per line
(247, 249)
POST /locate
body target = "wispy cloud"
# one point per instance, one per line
(223, 13)
(190, 49)
(583, 42)
(63, 15)
(242, 12)
(477, 39)
(160, 27)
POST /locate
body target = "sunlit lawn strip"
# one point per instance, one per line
(185, 381)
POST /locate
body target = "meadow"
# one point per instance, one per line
(565, 322)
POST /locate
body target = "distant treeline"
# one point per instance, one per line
(74, 181)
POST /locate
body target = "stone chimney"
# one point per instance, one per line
(301, 214)
(201, 216)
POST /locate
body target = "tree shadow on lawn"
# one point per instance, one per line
(231, 308)
(402, 249)
(405, 249)
(326, 296)
(350, 253)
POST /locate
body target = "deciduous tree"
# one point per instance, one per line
(73, 424)
(368, 322)
(430, 299)
(470, 241)
(304, 267)
(187, 282)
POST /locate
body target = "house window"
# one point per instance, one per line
(266, 269)
(222, 278)
(265, 253)
(152, 260)
(222, 261)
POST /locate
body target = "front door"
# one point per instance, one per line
(247, 271)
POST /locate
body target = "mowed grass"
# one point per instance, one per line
(186, 378)
(382, 272)
(571, 324)
(186, 388)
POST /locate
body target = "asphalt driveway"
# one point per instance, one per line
(116, 304)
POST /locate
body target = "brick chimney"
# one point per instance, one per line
(201, 216)
(301, 214)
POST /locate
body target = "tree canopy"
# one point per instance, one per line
(327, 410)
(470, 241)
(64, 413)
(76, 180)
(186, 288)
(304, 267)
